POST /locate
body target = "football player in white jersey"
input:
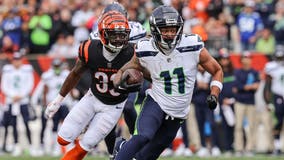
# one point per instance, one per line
(17, 82)
(274, 93)
(170, 61)
(52, 80)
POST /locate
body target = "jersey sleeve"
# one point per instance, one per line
(83, 53)
(137, 33)
(143, 50)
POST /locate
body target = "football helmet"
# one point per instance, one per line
(113, 31)
(115, 6)
(56, 65)
(279, 54)
(165, 17)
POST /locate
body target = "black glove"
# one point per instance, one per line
(212, 101)
(125, 88)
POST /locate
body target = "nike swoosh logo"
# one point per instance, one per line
(118, 107)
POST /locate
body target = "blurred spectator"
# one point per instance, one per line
(64, 47)
(249, 24)
(217, 35)
(199, 7)
(11, 26)
(62, 24)
(265, 8)
(215, 7)
(8, 47)
(245, 86)
(17, 84)
(199, 28)
(277, 22)
(82, 15)
(40, 25)
(25, 38)
(266, 42)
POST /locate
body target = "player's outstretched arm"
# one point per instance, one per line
(213, 67)
(70, 82)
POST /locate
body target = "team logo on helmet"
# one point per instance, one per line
(166, 17)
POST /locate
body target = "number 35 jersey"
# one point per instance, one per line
(103, 71)
(173, 76)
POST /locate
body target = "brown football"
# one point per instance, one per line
(135, 76)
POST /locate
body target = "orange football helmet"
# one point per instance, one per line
(113, 30)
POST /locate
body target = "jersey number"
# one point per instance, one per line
(104, 81)
(167, 78)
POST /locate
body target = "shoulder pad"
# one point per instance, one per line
(84, 51)
(137, 31)
(27, 67)
(7, 68)
(270, 66)
(190, 43)
(145, 48)
(46, 75)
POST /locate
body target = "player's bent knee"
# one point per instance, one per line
(61, 141)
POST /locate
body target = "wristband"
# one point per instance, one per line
(59, 98)
(217, 84)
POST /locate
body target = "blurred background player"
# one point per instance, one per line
(274, 93)
(17, 83)
(52, 81)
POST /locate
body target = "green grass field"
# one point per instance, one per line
(258, 157)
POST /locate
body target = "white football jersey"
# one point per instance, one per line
(276, 71)
(17, 82)
(173, 76)
(137, 32)
(53, 82)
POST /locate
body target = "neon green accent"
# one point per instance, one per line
(138, 108)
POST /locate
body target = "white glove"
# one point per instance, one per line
(53, 106)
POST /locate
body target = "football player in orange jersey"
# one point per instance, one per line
(102, 105)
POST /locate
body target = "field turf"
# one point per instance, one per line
(257, 157)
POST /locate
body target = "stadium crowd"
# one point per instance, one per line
(248, 28)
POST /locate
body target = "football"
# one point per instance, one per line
(134, 75)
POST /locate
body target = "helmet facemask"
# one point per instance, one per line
(114, 31)
(116, 39)
(166, 18)
(167, 42)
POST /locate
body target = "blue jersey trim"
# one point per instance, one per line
(190, 48)
(139, 36)
(146, 53)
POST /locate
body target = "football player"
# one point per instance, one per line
(137, 32)
(274, 93)
(52, 80)
(170, 60)
(102, 105)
